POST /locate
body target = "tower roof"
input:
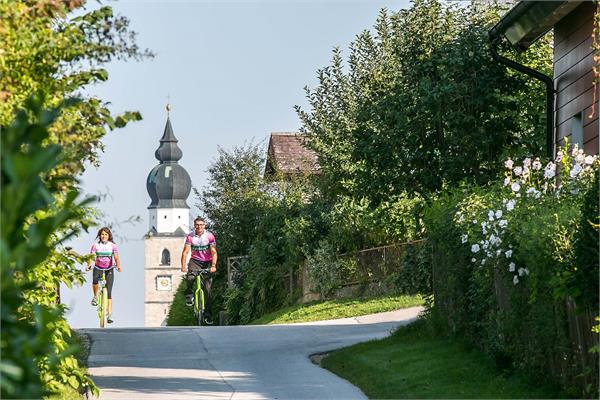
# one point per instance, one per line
(168, 149)
(168, 183)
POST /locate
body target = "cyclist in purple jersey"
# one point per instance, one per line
(105, 251)
(203, 247)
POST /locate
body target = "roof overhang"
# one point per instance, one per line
(527, 21)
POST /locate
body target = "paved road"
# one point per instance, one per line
(230, 362)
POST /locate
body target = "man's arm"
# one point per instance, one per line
(184, 255)
(213, 252)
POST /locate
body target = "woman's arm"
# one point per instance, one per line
(118, 261)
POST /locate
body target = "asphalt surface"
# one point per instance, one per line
(231, 362)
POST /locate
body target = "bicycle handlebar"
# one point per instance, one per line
(204, 271)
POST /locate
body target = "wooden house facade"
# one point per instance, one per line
(576, 106)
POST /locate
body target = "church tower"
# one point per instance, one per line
(169, 186)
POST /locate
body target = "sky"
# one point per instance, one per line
(232, 72)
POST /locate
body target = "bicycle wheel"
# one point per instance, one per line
(103, 307)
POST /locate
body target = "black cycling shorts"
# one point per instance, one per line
(110, 278)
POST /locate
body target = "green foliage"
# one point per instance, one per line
(46, 142)
(269, 221)
(36, 358)
(46, 48)
(508, 259)
(419, 92)
(326, 270)
(586, 250)
(180, 314)
(414, 272)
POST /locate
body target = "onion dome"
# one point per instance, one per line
(168, 183)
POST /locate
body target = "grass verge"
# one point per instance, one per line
(414, 363)
(333, 309)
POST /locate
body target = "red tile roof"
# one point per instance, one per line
(288, 155)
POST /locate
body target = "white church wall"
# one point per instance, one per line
(167, 220)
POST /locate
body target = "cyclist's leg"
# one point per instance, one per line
(96, 274)
(110, 279)
(190, 279)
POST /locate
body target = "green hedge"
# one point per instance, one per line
(516, 268)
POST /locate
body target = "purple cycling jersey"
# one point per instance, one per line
(104, 252)
(201, 245)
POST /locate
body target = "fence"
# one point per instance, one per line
(379, 270)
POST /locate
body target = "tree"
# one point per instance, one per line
(48, 55)
(418, 94)
(267, 221)
(44, 48)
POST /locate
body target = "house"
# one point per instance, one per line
(288, 156)
(572, 95)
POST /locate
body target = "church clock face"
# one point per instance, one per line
(164, 283)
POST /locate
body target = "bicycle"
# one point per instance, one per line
(102, 300)
(199, 310)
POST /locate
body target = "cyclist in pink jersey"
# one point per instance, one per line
(105, 251)
(203, 247)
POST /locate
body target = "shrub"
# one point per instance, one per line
(510, 256)
(180, 314)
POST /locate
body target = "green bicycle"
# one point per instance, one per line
(102, 300)
(199, 304)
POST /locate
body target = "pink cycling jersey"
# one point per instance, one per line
(104, 252)
(201, 245)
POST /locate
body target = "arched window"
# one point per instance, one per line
(165, 258)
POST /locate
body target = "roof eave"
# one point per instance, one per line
(527, 21)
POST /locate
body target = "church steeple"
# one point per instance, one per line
(168, 151)
(169, 186)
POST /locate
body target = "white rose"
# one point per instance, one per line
(527, 162)
(515, 187)
(473, 260)
(589, 160)
(537, 165)
(511, 267)
(515, 280)
(506, 181)
(464, 238)
(509, 163)
(549, 171)
(503, 223)
(508, 253)
(510, 205)
(498, 214)
(475, 248)
(575, 170)
(518, 171)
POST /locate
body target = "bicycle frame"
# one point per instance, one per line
(102, 300)
(199, 298)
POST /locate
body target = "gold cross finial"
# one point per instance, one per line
(168, 105)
